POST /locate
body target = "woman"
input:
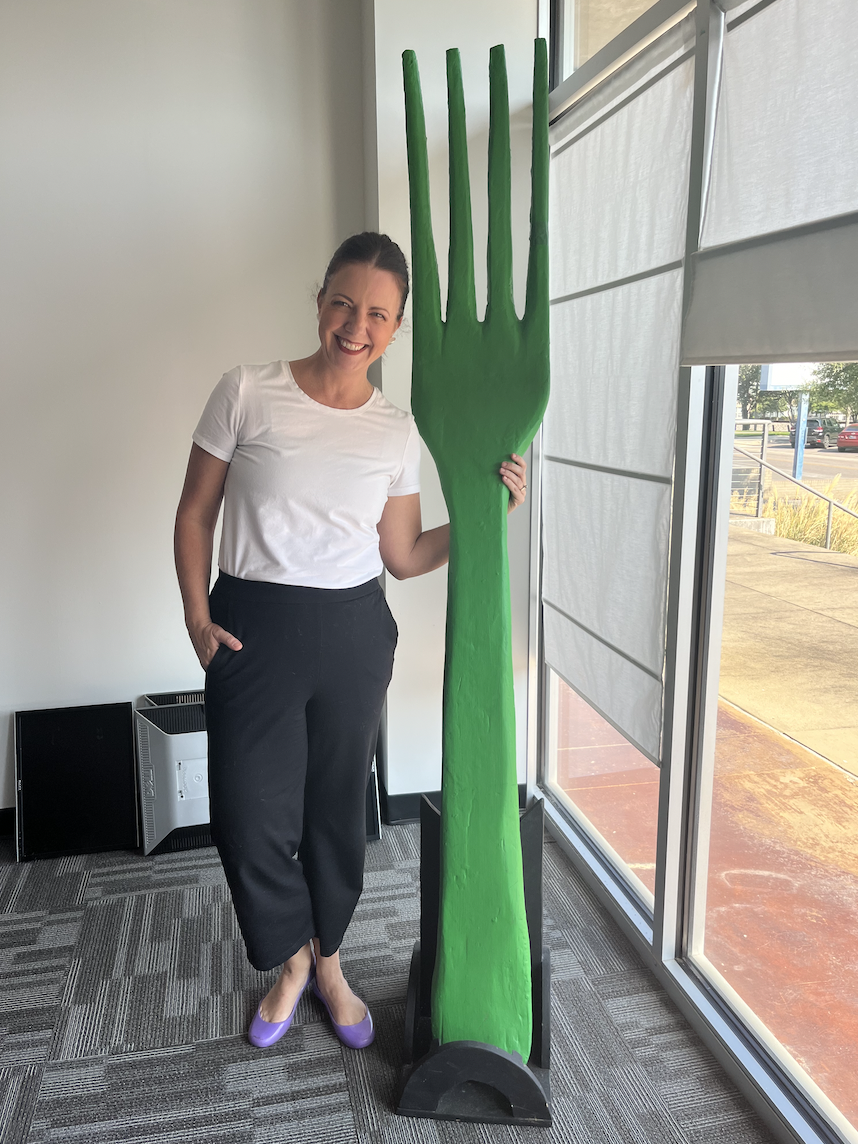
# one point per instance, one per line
(319, 477)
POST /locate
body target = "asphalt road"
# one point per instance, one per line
(820, 465)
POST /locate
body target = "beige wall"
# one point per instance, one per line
(173, 176)
(414, 706)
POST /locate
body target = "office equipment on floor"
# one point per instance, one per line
(74, 781)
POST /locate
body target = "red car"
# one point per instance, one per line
(848, 438)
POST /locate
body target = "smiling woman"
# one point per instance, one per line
(319, 477)
(360, 308)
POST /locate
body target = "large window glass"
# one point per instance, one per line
(776, 903)
(606, 783)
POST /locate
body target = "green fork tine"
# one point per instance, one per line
(424, 264)
(536, 304)
(461, 291)
(499, 299)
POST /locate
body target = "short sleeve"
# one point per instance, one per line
(407, 478)
(218, 428)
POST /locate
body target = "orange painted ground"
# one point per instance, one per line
(782, 906)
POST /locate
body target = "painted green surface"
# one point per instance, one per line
(479, 391)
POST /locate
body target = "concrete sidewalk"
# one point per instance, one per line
(790, 641)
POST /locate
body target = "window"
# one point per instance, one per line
(681, 238)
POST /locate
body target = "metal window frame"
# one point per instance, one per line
(666, 940)
(648, 26)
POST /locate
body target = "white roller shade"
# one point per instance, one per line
(605, 228)
(636, 698)
(619, 192)
(788, 298)
(785, 151)
(775, 277)
(614, 358)
(612, 534)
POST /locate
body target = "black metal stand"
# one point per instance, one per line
(467, 1080)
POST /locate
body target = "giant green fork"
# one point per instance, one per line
(479, 391)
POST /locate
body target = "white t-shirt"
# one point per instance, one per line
(307, 484)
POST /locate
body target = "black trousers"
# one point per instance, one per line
(292, 725)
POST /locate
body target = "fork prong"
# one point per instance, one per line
(461, 291)
(536, 305)
(424, 266)
(499, 299)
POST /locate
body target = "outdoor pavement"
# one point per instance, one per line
(790, 645)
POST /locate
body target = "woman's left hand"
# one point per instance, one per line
(513, 473)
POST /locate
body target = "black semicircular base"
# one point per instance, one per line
(465, 1080)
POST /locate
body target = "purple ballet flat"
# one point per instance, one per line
(264, 1033)
(353, 1036)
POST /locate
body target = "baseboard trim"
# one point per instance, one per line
(397, 809)
(7, 822)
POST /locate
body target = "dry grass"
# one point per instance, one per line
(801, 516)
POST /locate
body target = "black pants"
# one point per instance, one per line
(292, 724)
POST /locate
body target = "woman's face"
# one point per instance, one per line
(358, 315)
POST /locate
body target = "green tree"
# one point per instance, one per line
(772, 402)
(772, 405)
(836, 384)
(791, 397)
(749, 389)
(823, 401)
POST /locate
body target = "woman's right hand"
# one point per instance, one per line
(207, 638)
(195, 525)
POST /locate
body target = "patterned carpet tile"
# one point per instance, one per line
(377, 947)
(19, 1090)
(64, 883)
(122, 873)
(399, 847)
(36, 952)
(584, 930)
(158, 969)
(373, 1078)
(600, 1075)
(697, 1092)
(210, 1092)
(47, 884)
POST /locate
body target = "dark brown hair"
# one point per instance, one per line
(370, 249)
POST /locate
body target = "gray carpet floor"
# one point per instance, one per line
(126, 995)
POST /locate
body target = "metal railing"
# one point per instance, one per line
(766, 427)
(832, 503)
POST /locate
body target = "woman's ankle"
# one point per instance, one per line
(299, 963)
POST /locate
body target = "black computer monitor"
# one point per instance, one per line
(75, 787)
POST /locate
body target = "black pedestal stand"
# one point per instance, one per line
(467, 1080)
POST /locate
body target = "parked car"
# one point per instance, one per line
(821, 431)
(848, 438)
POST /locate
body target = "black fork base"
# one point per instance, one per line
(467, 1080)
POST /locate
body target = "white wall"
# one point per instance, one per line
(173, 176)
(390, 26)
